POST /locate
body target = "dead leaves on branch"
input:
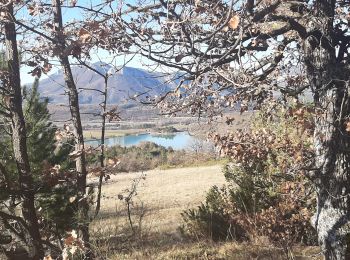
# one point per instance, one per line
(287, 220)
(53, 175)
(347, 126)
(84, 35)
(76, 154)
(110, 167)
(35, 9)
(64, 134)
(234, 22)
(113, 115)
(5, 16)
(275, 153)
(100, 34)
(40, 65)
(288, 146)
(113, 162)
(73, 246)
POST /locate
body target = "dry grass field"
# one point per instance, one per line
(163, 195)
(96, 134)
(155, 214)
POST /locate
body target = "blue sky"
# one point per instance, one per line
(71, 14)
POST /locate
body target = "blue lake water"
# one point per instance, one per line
(177, 141)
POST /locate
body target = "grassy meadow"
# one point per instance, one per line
(96, 134)
(161, 196)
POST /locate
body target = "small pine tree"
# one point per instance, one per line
(41, 133)
(43, 154)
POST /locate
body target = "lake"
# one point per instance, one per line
(178, 141)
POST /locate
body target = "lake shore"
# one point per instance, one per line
(177, 140)
(94, 134)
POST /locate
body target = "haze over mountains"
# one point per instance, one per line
(123, 84)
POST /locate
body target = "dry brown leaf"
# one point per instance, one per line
(234, 22)
(298, 157)
(225, 29)
(94, 25)
(47, 67)
(5, 16)
(84, 35)
(114, 162)
(179, 57)
(66, 128)
(32, 10)
(58, 136)
(69, 240)
(347, 126)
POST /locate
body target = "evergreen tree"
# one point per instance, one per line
(43, 154)
(41, 132)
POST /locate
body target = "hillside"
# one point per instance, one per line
(123, 84)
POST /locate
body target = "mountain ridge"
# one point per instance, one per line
(123, 84)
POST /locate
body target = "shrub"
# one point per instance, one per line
(167, 129)
(147, 156)
(267, 193)
(211, 219)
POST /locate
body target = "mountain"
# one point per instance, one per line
(123, 84)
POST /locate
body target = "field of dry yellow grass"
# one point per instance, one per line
(96, 134)
(162, 194)
(156, 216)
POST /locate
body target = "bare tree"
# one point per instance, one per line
(11, 89)
(60, 44)
(104, 114)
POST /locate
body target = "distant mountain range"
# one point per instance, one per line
(123, 84)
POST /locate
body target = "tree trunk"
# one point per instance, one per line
(102, 155)
(332, 145)
(328, 78)
(14, 103)
(83, 206)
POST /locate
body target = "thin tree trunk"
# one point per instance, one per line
(14, 103)
(83, 206)
(102, 155)
(332, 141)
